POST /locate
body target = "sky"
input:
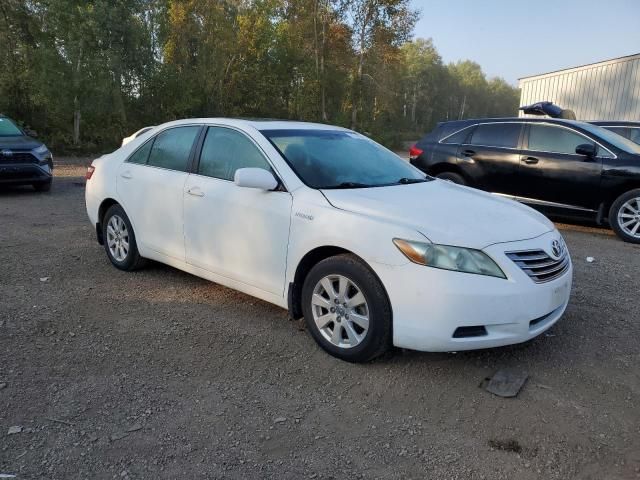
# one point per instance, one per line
(518, 38)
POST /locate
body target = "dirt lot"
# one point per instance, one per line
(159, 374)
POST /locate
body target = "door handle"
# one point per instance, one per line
(468, 153)
(196, 192)
(530, 160)
(126, 175)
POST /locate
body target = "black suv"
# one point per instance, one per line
(630, 130)
(23, 159)
(567, 166)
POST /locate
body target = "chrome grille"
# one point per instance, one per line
(539, 265)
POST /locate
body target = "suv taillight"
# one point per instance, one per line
(90, 171)
(415, 152)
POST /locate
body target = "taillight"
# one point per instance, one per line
(415, 152)
(90, 171)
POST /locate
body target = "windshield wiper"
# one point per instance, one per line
(406, 181)
(349, 185)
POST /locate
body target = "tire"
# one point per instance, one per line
(43, 186)
(122, 248)
(624, 216)
(350, 342)
(452, 177)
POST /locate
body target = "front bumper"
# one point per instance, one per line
(432, 307)
(22, 174)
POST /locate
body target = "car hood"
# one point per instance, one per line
(445, 213)
(18, 143)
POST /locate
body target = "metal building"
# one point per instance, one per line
(608, 90)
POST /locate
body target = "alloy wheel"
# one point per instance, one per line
(118, 238)
(629, 217)
(340, 311)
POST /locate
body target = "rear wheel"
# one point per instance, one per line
(120, 240)
(346, 309)
(452, 177)
(624, 216)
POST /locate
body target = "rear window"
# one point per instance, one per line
(504, 135)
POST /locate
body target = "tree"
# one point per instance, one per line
(85, 73)
(367, 19)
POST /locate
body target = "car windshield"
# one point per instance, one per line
(614, 139)
(341, 159)
(8, 128)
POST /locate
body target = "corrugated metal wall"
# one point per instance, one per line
(607, 90)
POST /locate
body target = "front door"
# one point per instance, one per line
(240, 233)
(552, 171)
(150, 185)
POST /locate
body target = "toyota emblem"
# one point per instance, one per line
(6, 153)
(556, 249)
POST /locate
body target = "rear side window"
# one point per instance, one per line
(549, 138)
(142, 154)
(226, 150)
(504, 135)
(458, 137)
(171, 148)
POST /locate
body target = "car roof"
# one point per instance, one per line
(257, 123)
(616, 123)
(472, 121)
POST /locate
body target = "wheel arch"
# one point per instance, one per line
(306, 263)
(616, 193)
(102, 210)
(443, 167)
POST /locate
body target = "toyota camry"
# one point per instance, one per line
(328, 224)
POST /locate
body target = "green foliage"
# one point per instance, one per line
(85, 73)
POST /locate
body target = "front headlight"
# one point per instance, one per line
(41, 150)
(457, 259)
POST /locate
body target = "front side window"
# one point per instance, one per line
(8, 128)
(172, 147)
(549, 138)
(503, 135)
(225, 150)
(341, 159)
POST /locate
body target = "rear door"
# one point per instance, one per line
(150, 185)
(490, 156)
(552, 171)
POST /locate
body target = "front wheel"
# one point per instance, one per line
(346, 309)
(120, 240)
(624, 216)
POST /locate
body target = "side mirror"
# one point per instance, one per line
(255, 178)
(587, 149)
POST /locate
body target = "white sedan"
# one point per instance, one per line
(327, 223)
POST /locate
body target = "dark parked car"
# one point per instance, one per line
(23, 159)
(630, 130)
(567, 166)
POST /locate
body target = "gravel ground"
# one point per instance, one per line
(159, 374)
